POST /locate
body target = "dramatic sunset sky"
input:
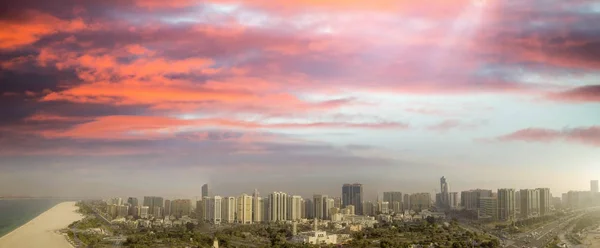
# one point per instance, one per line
(119, 97)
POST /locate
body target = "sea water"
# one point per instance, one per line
(16, 212)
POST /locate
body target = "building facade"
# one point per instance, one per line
(244, 209)
(278, 206)
(352, 194)
(394, 198)
(545, 201)
(228, 209)
(506, 204)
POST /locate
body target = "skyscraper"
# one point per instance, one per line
(545, 201)
(244, 209)
(278, 206)
(167, 210)
(594, 186)
(309, 208)
(152, 202)
(319, 201)
(352, 194)
(256, 208)
(527, 202)
(506, 204)
(133, 202)
(328, 205)
(213, 209)
(453, 200)
(228, 209)
(470, 199)
(296, 207)
(444, 193)
(205, 190)
(394, 199)
(181, 207)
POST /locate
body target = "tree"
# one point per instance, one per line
(190, 226)
(430, 220)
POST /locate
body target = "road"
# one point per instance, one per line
(544, 233)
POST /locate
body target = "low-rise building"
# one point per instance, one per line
(315, 238)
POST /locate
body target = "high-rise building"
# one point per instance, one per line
(337, 202)
(406, 202)
(594, 186)
(528, 196)
(167, 210)
(394, 199)
(470, 199)
(143, 212)
(199, 211)
(352, 194)
(383, 207)
(256, 208)
(264, 208)
(420, 201)
(327, 207)
(319, 201)
(453, 200)
(296, 207)
(181, 207)
(244, 209)
(278, 206)
(545, 201)
(205, 190)
(212, 206)
(489, 208)
(228, 208)
(368, 208)
(133, 202)
(309, 208)
(152, 202)
(444, 193)
(506, 204)
(157, 212)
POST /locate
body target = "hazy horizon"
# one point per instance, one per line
(117, 98)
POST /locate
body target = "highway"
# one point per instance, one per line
(544, 234)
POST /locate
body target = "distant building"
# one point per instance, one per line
(309, 208)
(406, 202)
(420, 201)
(200, 213)
(133, 202)
(328, 205)
(470, 199)
(143, 212)
(296, 207)
(384, 207)
(256, 207)
(315, 238)
(278, 206)
(153, 201)
(319, 202)
(506, 204)
(453, 200)
(264, 208)
(244, 209)
(205, 190)
(394, 198)
(337, 202)
(545, 201)
(528, 202)
(228, 208)
(368, 208)
(181, 207)
(489, 208)
(594, 186)
(444, 193)
(213, 209)
(352, 194)
(157, 212)
(167, 210)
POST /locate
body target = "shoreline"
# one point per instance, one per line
(42, 231)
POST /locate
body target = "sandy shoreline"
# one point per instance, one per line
(42, 230)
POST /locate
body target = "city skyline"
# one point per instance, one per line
(101, 97)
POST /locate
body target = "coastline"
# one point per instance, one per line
(42, 231)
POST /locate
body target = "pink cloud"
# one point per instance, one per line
(589, 93)
(584, 135)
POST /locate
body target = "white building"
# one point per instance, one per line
(329, 204)
(296, 207)
(143, 212)
(315, 238)
(256, 207)
(213, 209)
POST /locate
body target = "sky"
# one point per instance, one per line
(149, 97)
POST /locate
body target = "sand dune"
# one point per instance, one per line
(42, 230)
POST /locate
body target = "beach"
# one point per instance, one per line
(42, 231)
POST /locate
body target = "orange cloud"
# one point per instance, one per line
(33, 26)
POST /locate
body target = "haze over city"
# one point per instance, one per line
(132, 98)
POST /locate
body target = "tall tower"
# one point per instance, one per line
(205, 190)
(506, 204)
(278, 206)
(444, 193)
(352, 194)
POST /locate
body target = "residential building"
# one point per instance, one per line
(133, 201)
(157, 212)
(143, 212)
(181, 207)
(328, 205)
(244, 209)
(545, 201)
(153, 201)
(309, 208)
(406, 202)
(337, 202)
(453, 200)
(368, 208)
(278, 206)
(506, 204)
(213, 209)
(264, 207)
(200, 216)
(296, 207)
(470, 199)
(420, 201)
(489, 208)
(527, 202)
(394, 198)
(256, 207)
(228, 208)
(319, 202)
(352, 194)
(167, 210)
(383, 207)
